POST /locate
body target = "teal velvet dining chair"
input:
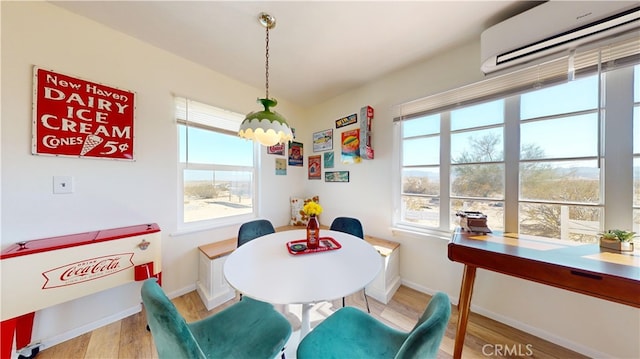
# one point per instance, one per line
(254, 229)
(247, 329)
(352, 226)
(352, 333)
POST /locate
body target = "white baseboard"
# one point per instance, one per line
(425, 290)
(62, 337)
(590, 352)
(182, 291)
(540, 333)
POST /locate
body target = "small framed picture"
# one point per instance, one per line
(281, 166)
(315, 171)
(350, 147)
(296, 153)
(328, 159)
(346, 121)
(323, 140)
(336, 176)
(276, 149)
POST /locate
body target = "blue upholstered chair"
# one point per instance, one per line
(351, 333)
(353, 227)
(348, 225)
(254, 229)
(247, 329)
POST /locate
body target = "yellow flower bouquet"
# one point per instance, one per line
(312, 208)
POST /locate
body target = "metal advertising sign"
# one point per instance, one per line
(79, 118)
(346, 121)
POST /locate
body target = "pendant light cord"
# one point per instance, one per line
(266, 66)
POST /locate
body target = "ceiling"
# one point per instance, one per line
(318, 49)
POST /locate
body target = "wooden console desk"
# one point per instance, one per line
(582, 268)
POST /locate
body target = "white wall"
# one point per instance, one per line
(115, 193)
(108, 193)
(592, 326)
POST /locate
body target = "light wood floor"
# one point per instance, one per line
(128, 338)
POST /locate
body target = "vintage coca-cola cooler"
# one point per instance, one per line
(45, 272)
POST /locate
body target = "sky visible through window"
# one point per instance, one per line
(573, 136)
(208, 147)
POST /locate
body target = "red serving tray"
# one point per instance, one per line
(326, 244)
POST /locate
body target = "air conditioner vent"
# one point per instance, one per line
(567, 25)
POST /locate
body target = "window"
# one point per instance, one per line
(421, 171)
(531, 157)
(560, 180)
(477, 161)
(216, 167)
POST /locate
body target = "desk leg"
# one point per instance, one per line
(464, 304)
(305, 325)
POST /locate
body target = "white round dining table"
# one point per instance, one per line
(264, 269)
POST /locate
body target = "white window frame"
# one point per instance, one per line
(617, 213)
(220, 121)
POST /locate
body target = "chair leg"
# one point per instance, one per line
(366, 301)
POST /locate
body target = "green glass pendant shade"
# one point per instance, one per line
(267, 127)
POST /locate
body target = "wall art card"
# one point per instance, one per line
(277, 149)
(350, 146)
(323, 140)
(328, 159)
(336, 176)
(295, 154)
(315, 171)
(346, 121)
(281, 166)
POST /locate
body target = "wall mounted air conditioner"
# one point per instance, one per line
(553, 27)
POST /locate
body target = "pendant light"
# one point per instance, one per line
(267, 127)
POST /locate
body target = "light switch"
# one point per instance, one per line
(62, 184)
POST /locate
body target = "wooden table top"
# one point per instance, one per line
(584, 268)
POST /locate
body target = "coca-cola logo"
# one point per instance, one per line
(86, 270)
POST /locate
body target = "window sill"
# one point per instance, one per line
(211, 225)
(406, 231)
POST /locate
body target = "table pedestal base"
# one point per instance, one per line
(305, 325)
